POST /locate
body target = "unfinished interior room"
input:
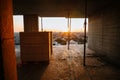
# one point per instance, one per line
(96, 59)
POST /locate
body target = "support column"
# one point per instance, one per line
(7, 40)
(1, 63)
(31, 23)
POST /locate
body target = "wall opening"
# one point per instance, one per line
(18, 27)
(59, 28)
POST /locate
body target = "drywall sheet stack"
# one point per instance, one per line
(35, 46)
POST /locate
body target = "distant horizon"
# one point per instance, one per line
(54, 24)
(54, 32)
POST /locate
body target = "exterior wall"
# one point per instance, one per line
(104, 33)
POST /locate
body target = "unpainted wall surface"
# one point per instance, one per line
(104, 33)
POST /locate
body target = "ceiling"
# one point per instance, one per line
(58, 8)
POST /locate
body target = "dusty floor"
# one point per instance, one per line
(68, 65)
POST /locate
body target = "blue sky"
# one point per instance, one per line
(51, 24)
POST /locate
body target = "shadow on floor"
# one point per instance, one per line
(31, 71)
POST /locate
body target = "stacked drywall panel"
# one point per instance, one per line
(35, 46)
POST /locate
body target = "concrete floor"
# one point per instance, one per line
(68, 65)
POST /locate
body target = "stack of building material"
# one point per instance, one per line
(35, 46)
